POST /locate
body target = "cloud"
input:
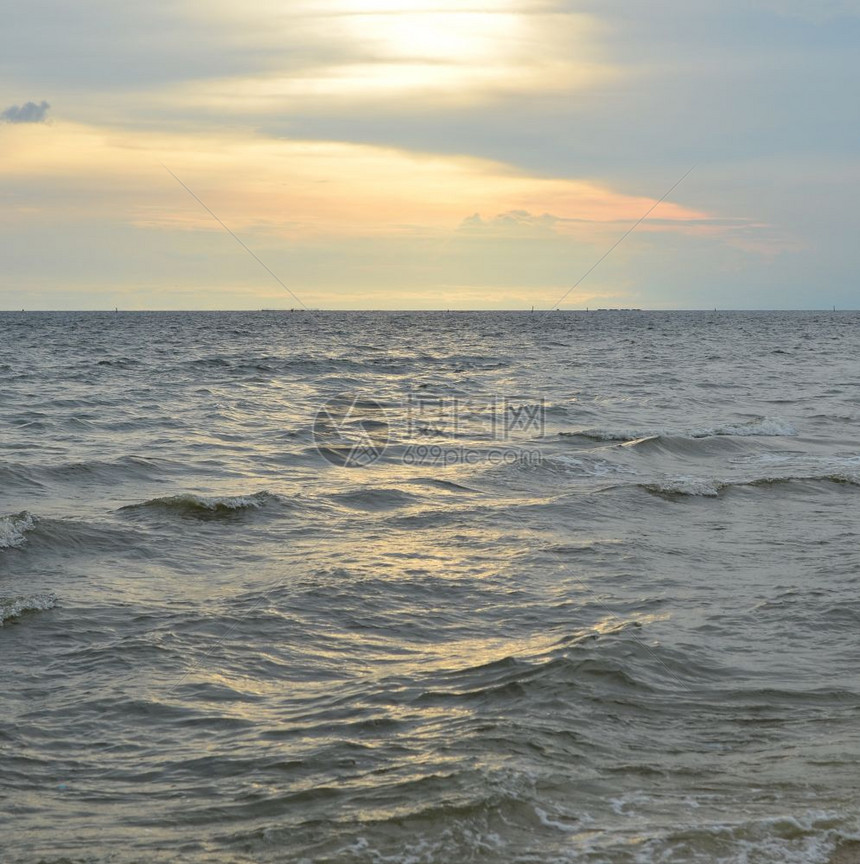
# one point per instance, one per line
(333, 220)
(333, 189)
(354, 136)
(513, 223)
(29, 112)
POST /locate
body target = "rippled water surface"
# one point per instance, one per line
(420, 587)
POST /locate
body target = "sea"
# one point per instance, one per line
(429, 587)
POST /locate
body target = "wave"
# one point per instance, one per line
(38, 535)
(693, 486)
(712, 488)
(811, 837)
(13, 529)
(132, 467)
(591, 658)
(243, 365)
(18, 477)
(585, 466)
(757, 427)
(40, 476)
(201, 507)
(14, 607)
(369, 498)
(443, 485)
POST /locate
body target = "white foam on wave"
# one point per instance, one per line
(547, 821)
(763, 426)
(804, 838)
(625, 804)
(12, 607)
(852, 477)
(14, 528)
(227, 502)
(589, 467)
(809, 838)
(457, 842)
(214, 504)
(759, 426)
(695, 486)
(709, 487)
(807, 464)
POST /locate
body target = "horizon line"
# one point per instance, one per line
(528, 311)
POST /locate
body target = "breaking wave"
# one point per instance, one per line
(759, 426)
(202, 507)
(711, 488)
(14, 607)
(13, 529)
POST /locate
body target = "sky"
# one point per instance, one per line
(429, 154)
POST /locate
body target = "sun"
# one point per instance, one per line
(461, 49)
(435, 33)
(454, 52)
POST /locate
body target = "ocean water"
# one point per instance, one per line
(428, 588)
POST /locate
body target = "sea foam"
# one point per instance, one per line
(13, 607)
(759, 426)
(14, 528)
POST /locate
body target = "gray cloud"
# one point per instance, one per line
(29, 112)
